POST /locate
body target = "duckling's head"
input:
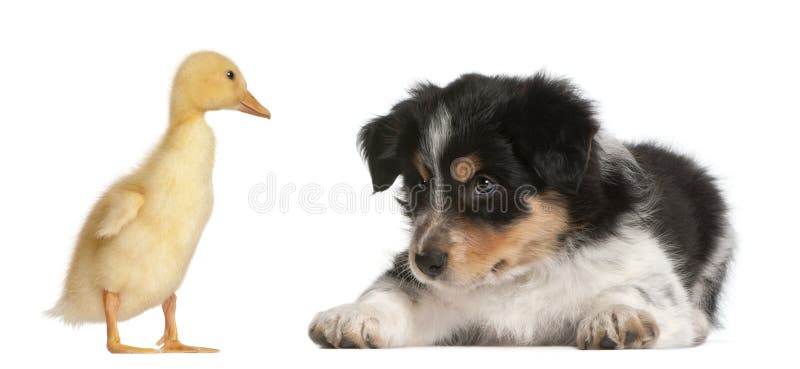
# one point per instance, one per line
(210, 81)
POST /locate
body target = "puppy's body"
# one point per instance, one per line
(617, 246)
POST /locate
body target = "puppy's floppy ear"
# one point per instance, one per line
(386, 142)
(379, 142)
(551, 128)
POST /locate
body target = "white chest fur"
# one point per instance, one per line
(544, 305)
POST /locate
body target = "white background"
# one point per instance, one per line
(83, 97)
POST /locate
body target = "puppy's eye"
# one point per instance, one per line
(423, 184)
(484, 185)
(230, 75)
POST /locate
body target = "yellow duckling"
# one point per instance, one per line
(136, 244)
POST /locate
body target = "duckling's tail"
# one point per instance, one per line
(59, 312)
(77, 310)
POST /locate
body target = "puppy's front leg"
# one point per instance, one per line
(382, 317)
(643, 314)
(617, 327)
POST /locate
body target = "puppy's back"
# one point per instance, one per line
(689, 215)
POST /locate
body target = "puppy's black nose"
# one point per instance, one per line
(432, 263)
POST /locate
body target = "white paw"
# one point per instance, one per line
(351, 326)
(617, 327)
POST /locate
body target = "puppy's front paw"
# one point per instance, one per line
(618, 327)
(348, 326)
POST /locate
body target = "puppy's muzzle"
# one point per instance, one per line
(431, 263)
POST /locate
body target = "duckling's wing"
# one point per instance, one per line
(123, 206)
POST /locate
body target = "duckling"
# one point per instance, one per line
(137, 242)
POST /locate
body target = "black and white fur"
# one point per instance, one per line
(648, 243)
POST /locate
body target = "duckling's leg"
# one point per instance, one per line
(111, 305)
(170, 341)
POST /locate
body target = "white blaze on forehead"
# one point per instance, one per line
(434, 141)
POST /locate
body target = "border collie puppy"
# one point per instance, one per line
(532, 226)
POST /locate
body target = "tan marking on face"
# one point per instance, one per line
(463, 168)
(527, 240)
(423, 172)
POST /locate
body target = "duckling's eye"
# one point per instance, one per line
(230, 75)
(484, 185)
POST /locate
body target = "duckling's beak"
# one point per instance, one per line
(250, 105)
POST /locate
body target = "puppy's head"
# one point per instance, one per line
(490, 168)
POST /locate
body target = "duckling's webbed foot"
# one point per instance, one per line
(175, 346)
(111, 306)
(118, 348)
(169, 341)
